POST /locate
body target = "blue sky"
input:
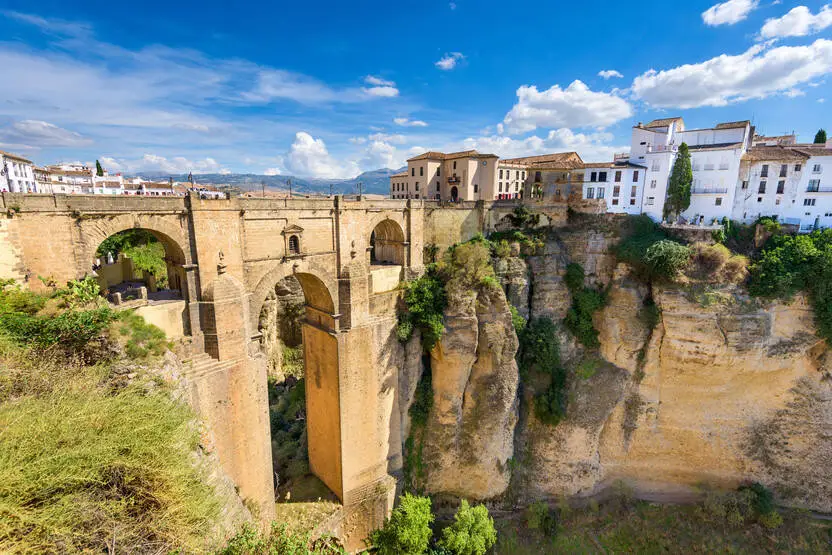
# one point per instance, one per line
(330, 89)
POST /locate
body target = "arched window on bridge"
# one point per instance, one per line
(387, 244)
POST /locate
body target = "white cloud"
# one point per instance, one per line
(380, 154)
(309, 157)
(574, 106)
(452, 5)
(821, 100)
(798, 22)
(609, 73)
(591, 147)
(357, 140)
(389, 138)
(449, 61)
(405, 122)
(43, 134)
(272, 171)
(384, 92)
(757, 73)
(729, 13)
(378, 81)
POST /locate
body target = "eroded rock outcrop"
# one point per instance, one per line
(470, 431)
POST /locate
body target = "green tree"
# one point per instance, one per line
(820, 136)
(407, 531)
(666, 258)
(681, 179)
(99, 171)
(472, 532)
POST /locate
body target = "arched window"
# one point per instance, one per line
(294, 244)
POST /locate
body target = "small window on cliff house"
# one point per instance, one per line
(294, 244)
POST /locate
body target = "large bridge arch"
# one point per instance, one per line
(321, 367)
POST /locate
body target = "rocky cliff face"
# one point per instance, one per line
(712, 387)
(470, 431)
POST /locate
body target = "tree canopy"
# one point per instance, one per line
(820, 136)
(99, 171)
(679, 187)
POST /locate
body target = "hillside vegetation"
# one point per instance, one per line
(91, 459)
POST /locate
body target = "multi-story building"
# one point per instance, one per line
(17, 174)
(813, 203)
(511, 179)
(71, 178)
(466, 175)
(619, 183)
(551, 176)
(768, 183)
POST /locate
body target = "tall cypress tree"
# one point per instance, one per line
(99, 171)
(820, 136)
(681, 179)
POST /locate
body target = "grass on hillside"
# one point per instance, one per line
(91, 461)
(621, 526)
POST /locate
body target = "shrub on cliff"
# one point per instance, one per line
(426, 300)
(666, 259)
(472, 532)
(539, 354)
(789, 264)
(407, 531)
(585, 301)
(279, 541)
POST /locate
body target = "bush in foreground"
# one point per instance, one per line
(472, 532)
(407, 531)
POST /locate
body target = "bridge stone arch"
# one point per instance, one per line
(387, 243)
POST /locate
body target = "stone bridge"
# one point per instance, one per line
(227, 257)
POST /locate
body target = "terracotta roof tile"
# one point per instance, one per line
(774, 153)
(664, 122)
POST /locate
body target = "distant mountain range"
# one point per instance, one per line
(372, 182)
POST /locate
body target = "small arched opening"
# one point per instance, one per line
(296, 325)
(454, 194)
(140, 263)
(294, 244)
(387, 244)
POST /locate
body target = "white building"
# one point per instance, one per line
(715, 159)
(17, 174)
(813, 203)
(620, 183)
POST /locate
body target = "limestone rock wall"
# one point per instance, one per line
(470, 431)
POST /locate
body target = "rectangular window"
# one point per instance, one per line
(590, 192)
(437, 186)
(517, 174)
(537, 176)
(650, 201)
(602, 177)
(615, 202)
(601, 192)
(809, 202)
(421, 171)
(745, 184)
(501, 174)
(764, 171)
(814, 186)
(797, 167)
(783, 169)
(633, 190)
(616, 190)
(816, 168)
(709, 167)
(500, 188)
(524, 174)
(412, 172)
(781, 186)
(516, 187)
(475, 187)
(635, 176)
(718, 201)
(593, 177)
(438, 171)
(656, 166)
(762, 189)
(454, 164)
(652, 183)
(632, 202)
(618, 176)
(759, 199)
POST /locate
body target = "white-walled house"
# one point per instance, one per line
(813, 205)
(17, 174)
(620, 184)
(768, 183)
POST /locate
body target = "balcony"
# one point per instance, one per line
(662, 148)
(819, 189)
(453, 180)
(709, 191)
